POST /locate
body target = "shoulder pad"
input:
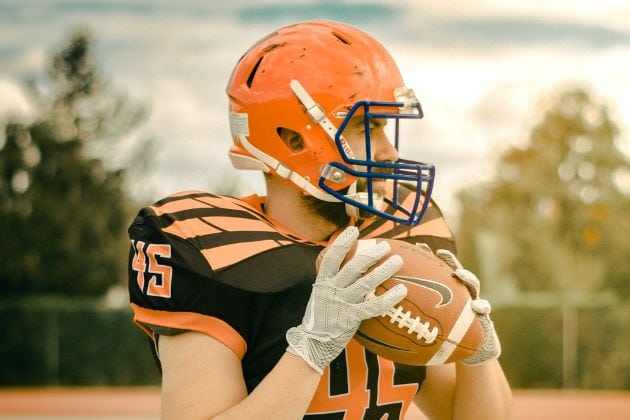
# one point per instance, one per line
(224, 230)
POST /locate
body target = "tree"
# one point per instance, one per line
(63, 212)
(556, 205)
(549, 234)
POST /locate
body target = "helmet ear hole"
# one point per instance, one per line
(292, 139)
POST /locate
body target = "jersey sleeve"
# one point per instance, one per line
(200, 262)
(170, 290)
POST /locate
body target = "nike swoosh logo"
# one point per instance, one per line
(446, 295)
(310, 322)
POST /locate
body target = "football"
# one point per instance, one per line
(434, 324)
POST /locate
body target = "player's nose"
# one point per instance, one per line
(383, 150)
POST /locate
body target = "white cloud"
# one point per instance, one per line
(13, 101)
(608, 12)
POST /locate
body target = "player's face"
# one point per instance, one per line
(382, 149)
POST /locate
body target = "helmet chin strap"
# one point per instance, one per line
(285, 172)
(352, 211)
(363, 198)
(317, 114)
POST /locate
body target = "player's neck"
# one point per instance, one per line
(283, 205)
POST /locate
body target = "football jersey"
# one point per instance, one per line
(216, 265)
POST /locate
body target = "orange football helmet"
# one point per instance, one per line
(312, 77)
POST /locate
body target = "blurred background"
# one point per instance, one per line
(108, 105)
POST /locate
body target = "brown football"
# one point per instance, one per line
(434, 324)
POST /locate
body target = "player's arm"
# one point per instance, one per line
(476, 387)
(459, 391)
(202, 377)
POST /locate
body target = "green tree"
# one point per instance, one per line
(557, 206)
(64, 212)
(550, 232)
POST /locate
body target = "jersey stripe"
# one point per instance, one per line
(227, 224)
(432, 224)
(191, 200)
(226, 230)
(190, 228)
(432, 228)
(191, 321)
(223, 256)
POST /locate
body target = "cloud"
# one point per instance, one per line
(13, 101)
(502, 32)
(330, 10)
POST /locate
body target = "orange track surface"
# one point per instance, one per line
(132, 403)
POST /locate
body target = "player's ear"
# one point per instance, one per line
(292, 139)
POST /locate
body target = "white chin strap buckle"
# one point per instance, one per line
(363, 198)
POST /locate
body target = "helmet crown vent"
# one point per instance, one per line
(252, 74)
(341, 38)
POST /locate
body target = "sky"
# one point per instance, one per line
(480, 70)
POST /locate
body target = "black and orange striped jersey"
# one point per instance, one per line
(216, 265)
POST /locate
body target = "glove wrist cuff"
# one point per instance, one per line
(317, 351)
(491, 348)
(315, 367)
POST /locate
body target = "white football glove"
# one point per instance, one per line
(491, 348)
(337, 305)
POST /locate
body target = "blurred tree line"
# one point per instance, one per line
(548, 237)
(549, 234)
(63, 212)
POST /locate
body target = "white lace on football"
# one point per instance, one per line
(423, 330)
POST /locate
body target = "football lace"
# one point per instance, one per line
(413, 325)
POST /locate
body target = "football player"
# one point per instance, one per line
(241, 323)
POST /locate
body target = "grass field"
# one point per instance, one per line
(143, 404)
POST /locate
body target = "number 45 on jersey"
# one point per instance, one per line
(145, 263)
